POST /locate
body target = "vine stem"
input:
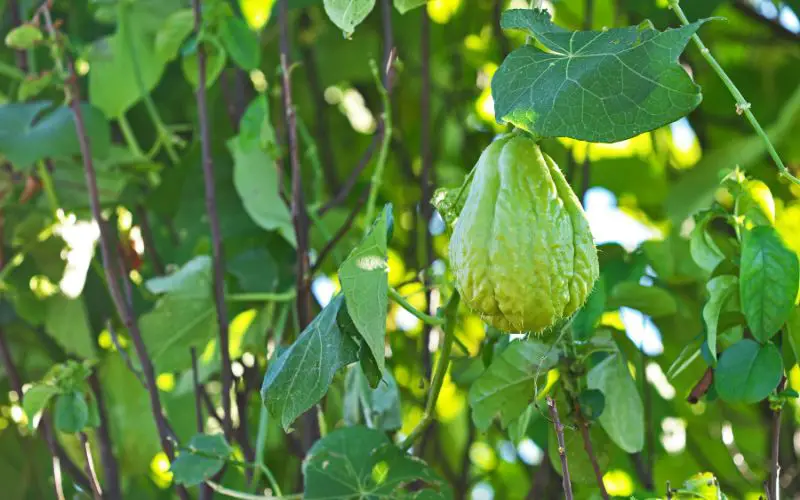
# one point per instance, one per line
(773, 487)
(742, 105)
(562, 448)
(439, 373)
(262, 296)
(97, 491)
(213, 222)
(426, 318)
(377, 175)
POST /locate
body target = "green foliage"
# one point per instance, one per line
(203, 458)
(597, 86)
(336, 468)
(748, 372)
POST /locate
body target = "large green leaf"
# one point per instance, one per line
(509, 384)
(365, 283)
(254, 171)
(300, 376)
(356, 462)
(215, 63)
(720, 290)
(748, 372)
(769, 278)
(603, 86)
(241, 43)
(68, 323)
(203, 458)
(28, 134)
(182, 318)
(347, 14)
(623, 414)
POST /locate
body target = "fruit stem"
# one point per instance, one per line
(425, 318)
(742, 106)
(449, 316)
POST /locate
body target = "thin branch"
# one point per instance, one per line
(213, 222)
(352, 179)
(149, 240)
(345, 227)
(97, 491)
(742, 106)
(562, 449)
(124, 353)
(58, 482)
(425, 318)
(106, 245)
(107, 458)
(497, 31)
(774, 486)
(587, 446)
(205, 490)
(21, 57)
(377, 175)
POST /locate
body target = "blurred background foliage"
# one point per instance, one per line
(639, 196)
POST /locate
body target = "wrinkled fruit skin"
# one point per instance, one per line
(521, 249)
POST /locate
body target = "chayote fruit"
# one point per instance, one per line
(521, 249)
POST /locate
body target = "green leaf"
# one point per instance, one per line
(356, 462)
(36, 399)
(215, 63)
(793, 332)
(592, 403)
(651, 300)
(204, 457)
(748, 372)
(171, 35)
(347, 14)
(705, 251)
(241, 43)
(378, 408)
(587, 317)
(24, 37)
(67, 322)
(53, 134)
(33, 85)
(183, 278)
(121, 64)
(184, 317)
(702, 486)
(769, 278)
(580, 467)
(254, 172)
(300, 376)
(365, 283)
(603, 86)
(623, 414)
(404, 6)
(72, 412)
(509, 384)
(720, 290)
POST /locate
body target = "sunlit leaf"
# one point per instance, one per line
(603, 86)
(347, 14)
(36, 399)
(720, 290)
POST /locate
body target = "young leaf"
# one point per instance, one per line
(704, 251)
(29, 134)
(598, 86)
(347, 14)
(68, 323)
(623, 414)
(365, 283)
(191, 468)
(651, 300)
(404, 6)
(509, 384)
(254, 173)
(748, 372)
(769, 278)
(24, 37)
(72, 412)
(241, 43)
(720, 290)
(215, 63)
(257, 12)
(182, 318)
(300, 376)
(36, 399)
(356, 462)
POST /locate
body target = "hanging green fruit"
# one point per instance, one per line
(521, 249)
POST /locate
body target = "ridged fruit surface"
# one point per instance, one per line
(521, 249)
